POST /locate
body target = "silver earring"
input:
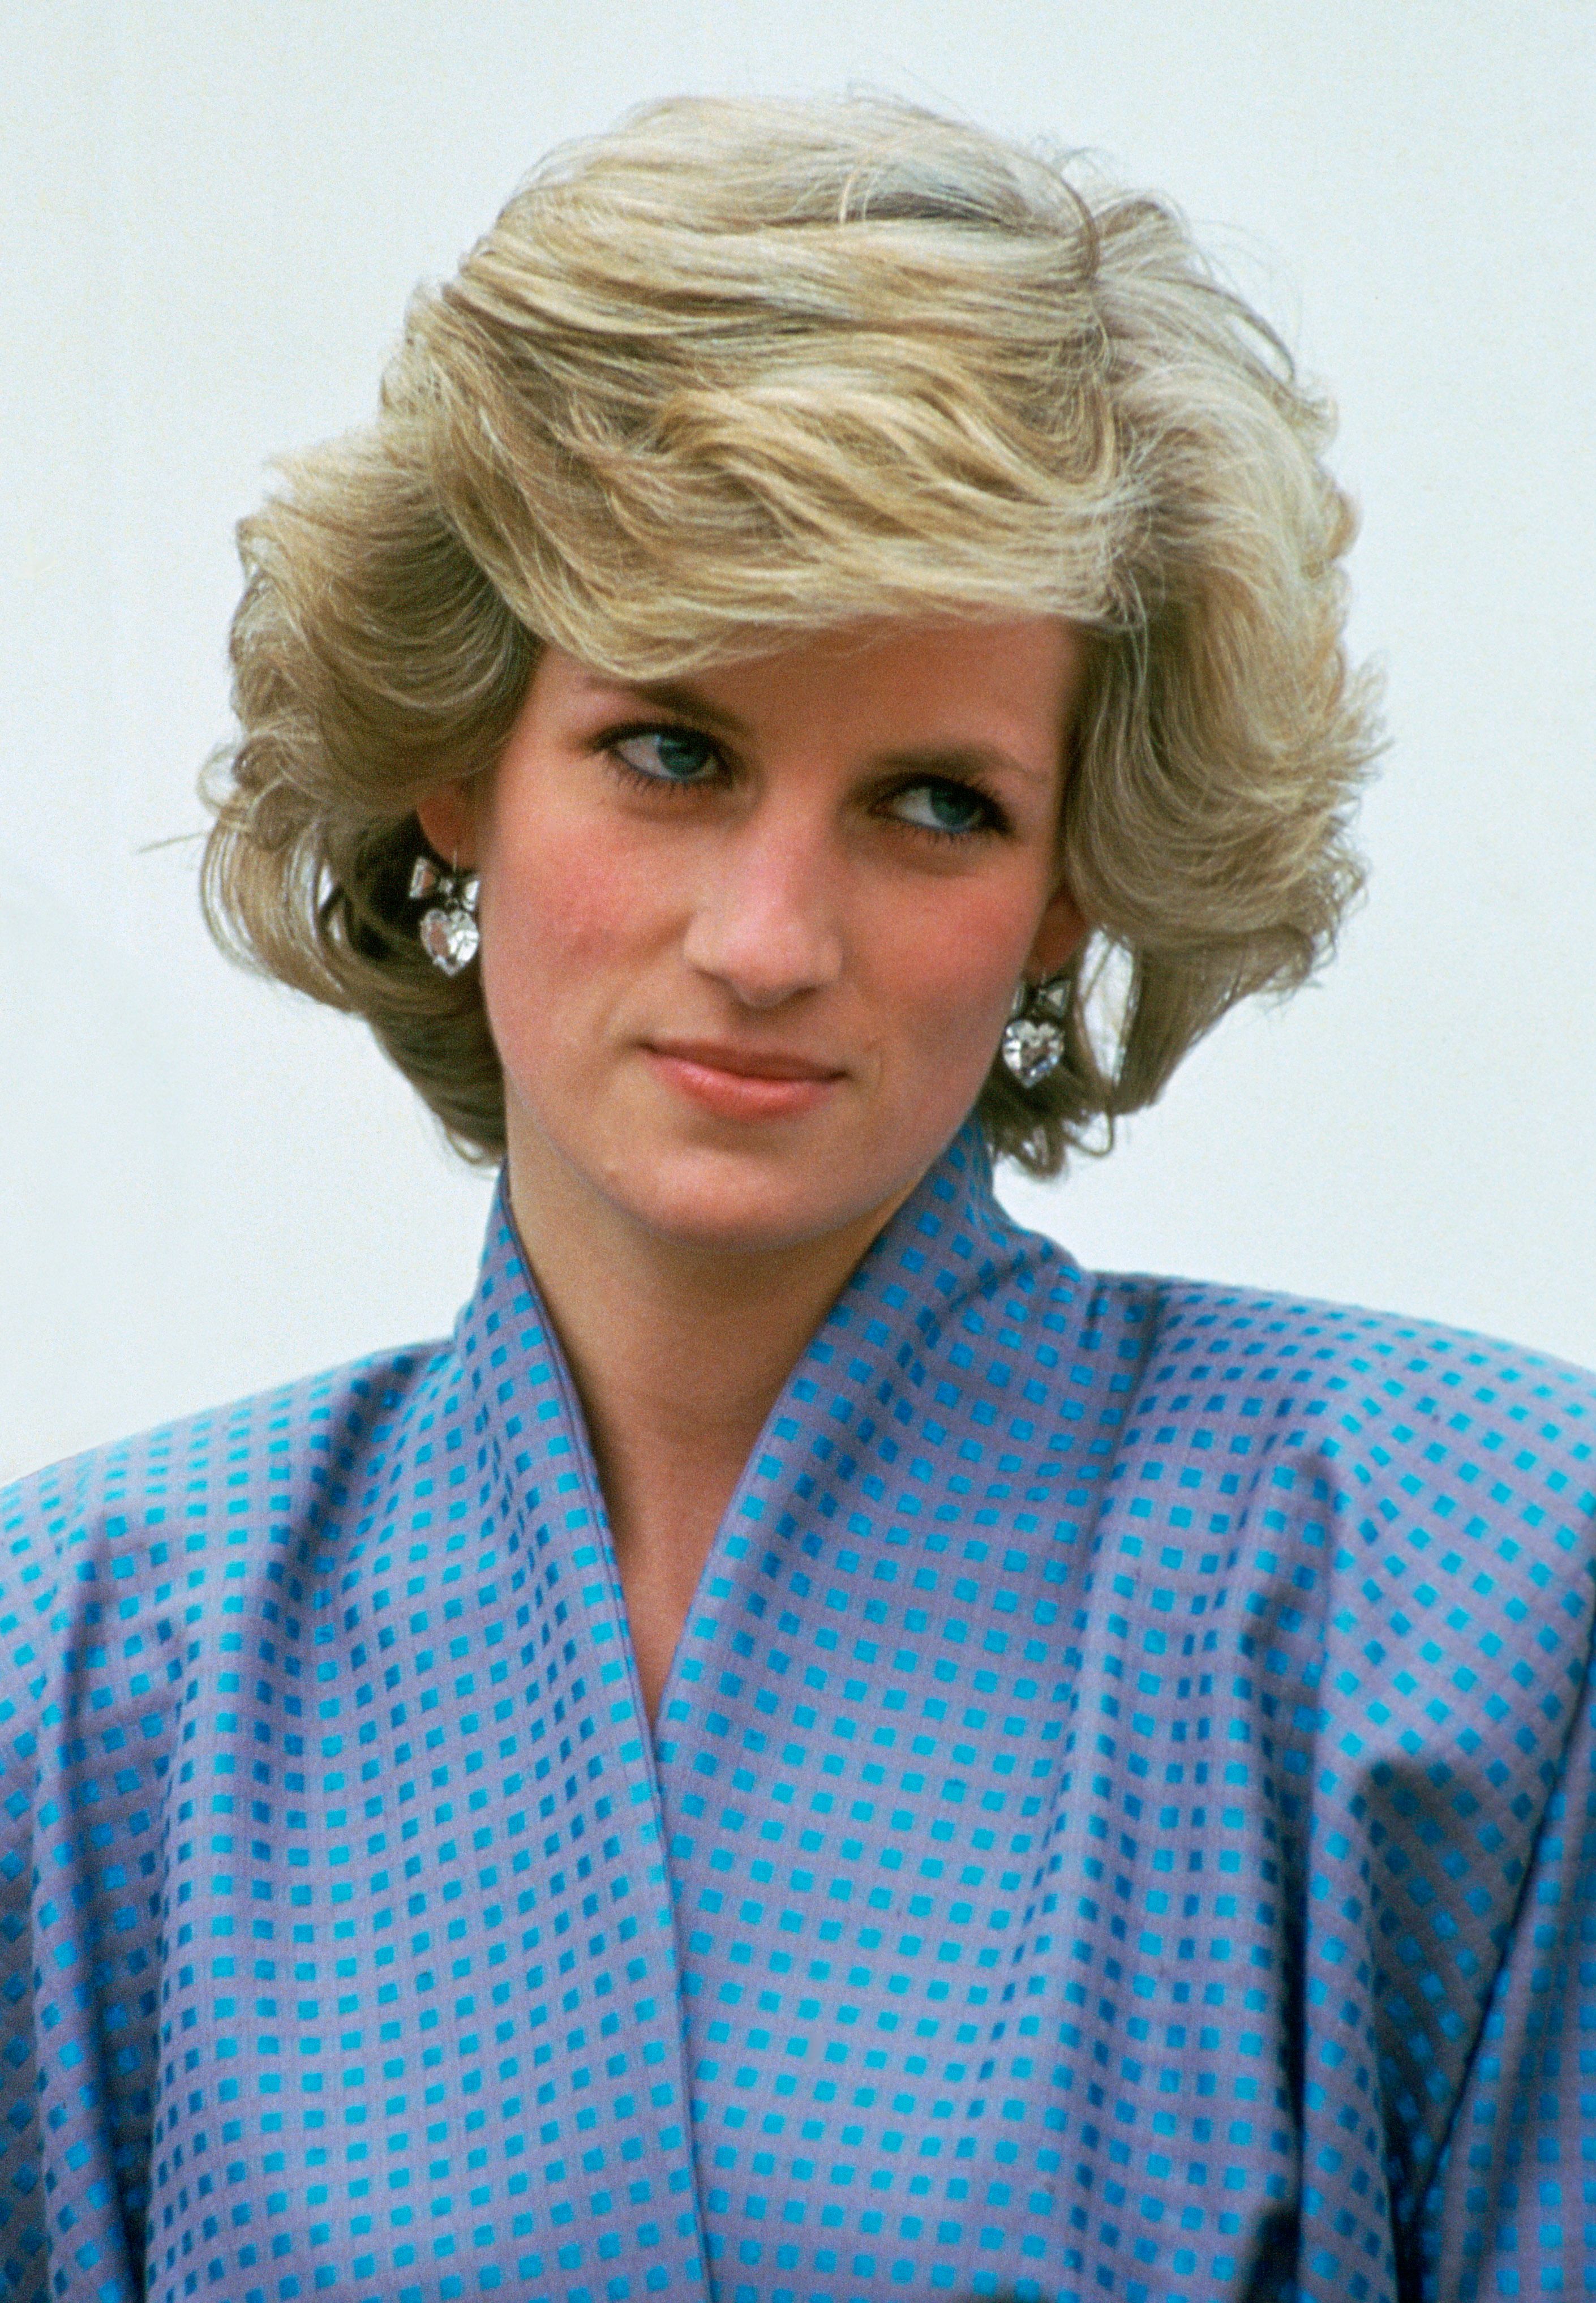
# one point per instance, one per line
(1033, 1043)
(448, 930)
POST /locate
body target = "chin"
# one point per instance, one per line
(749, 1205)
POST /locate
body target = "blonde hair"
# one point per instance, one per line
(741, 367)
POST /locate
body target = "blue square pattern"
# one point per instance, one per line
(1121, 1823)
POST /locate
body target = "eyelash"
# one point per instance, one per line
(994, 820)
(639, 778)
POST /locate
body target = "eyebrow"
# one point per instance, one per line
(961, 759)
(678, 696)
(950, 759)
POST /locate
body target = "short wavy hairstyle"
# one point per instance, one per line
(745, 368)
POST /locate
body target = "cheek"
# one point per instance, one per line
(556, 908)
(954, 973)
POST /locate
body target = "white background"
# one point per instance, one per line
(212, 215)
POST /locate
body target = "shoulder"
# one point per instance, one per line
(160, 1507)
(1351, 1385)
(1219, 1390)
(1336, 1380)
(1403, 1513)
(1273, 1436)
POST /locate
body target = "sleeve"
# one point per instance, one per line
(28, 1589)
(119, 1569)
(87, 1691)
(1512, 2209)
(1433, 1595)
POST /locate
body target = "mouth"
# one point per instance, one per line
(736, 1083)
(744, 1063)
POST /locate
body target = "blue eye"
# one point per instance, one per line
(667, 755)
(949, 808)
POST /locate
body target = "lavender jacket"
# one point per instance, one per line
(1119, 1824)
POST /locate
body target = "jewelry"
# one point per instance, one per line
(448, 930)
(1033, 1044)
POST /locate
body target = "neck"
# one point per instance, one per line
(678, 1352)
(665, 1338)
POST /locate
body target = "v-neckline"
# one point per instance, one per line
(974, 1181)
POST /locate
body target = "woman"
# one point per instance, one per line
(812, 1748)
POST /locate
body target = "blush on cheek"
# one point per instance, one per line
(565, 951)
(961, 997)
(569, 901)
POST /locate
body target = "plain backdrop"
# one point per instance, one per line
(213, 211)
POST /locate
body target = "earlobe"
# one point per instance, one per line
(1060, 932)
(448, 822)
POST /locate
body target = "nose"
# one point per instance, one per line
(765, 924)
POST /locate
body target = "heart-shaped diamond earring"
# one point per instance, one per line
(448, 930)
(1033, 1042)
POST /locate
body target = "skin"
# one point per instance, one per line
(748, 943)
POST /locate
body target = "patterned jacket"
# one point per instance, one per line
(1120, 1822)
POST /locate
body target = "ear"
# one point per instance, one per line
(448, 816)
(1060, 932)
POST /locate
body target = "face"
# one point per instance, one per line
(749, 940)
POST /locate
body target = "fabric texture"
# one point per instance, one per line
(1120, 1821)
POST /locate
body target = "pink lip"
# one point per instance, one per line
(742, 1082)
